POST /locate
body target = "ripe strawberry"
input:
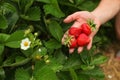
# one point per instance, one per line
(73, 43)
(75, 31)
(86, 28)
(83, 39)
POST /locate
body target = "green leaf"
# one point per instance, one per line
(15, 39)
(73, 61)
(43, 51)
(15, 0)
(99, 60)
(96, 39)
(55, 30)
(2, 74)
(59, 56)
(17, 63)
(89, 7)
(57, 61)
(53, 44)
(12, 19)
(64, 75)
(6, 8)
(45, 1)
(13, 44)
(32, 14)
(44, 72)
(39, 52)
(87, 67)
(3, 22)
(28, 5)
(55, 66)
(22, 74)
(1, 49)
(73, 74)
(28, 52)
(87, 55)
(95, 73)
(16, 36)
(3, 37)
(19, 58)
(53, 9)
(25, 4)
(10, 12)
(83, 77)
(10, 59)
(78, 2)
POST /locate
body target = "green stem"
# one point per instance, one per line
(17, 63)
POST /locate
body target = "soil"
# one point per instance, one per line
(111, 68)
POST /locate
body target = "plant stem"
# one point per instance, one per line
(17, 64)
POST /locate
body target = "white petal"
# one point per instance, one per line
(22, 44)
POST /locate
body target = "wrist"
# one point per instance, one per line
(96, 19)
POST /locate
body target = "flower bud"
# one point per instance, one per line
(47, 61)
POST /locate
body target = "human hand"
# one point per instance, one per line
(79, 18)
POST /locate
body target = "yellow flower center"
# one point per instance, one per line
(26, 43)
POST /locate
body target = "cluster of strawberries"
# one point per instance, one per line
(79, 36)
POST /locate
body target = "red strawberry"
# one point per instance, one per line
(73, 43)
(83, 39)
(86, 28)
(75, 31)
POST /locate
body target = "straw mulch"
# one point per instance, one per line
(112, 67)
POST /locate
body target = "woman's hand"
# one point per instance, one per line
(79, 18)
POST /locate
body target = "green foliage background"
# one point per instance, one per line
(45, 17)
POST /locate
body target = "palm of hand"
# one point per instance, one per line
(79, 18)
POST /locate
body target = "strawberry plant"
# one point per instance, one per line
(30, 42)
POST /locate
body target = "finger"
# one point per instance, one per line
(91, 37)
(72, 17)
(78, 23)
(80, 49)
(90, 44)
(93, 33)
(71, 50)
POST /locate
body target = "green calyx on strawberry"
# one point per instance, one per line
(91, 24)
(70, 41)
(73, 43)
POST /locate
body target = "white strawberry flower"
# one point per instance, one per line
(25, 44)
